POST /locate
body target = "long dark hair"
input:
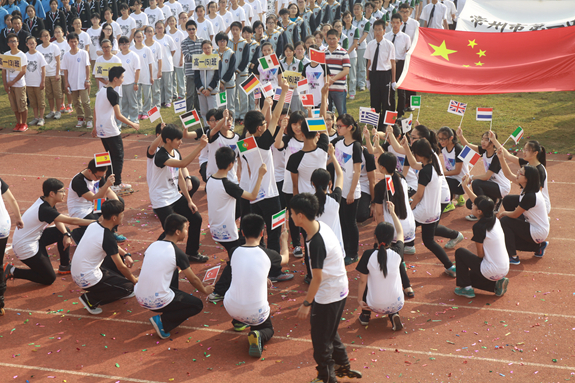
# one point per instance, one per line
(422, 148)
(430, 136)
(384, 232)
(320, 180)
(348, 120)
(103, 36)
(486, 206)
(532, 174)
(388, 161)
(294, 118)
(537, 147)
(449, 133)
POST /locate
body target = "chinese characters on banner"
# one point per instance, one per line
(205, 62)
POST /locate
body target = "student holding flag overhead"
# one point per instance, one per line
(268, 70)
(454, 168)
(493, 182)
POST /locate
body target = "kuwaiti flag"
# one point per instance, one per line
(269, 62)
(484, 114)
(457, 62)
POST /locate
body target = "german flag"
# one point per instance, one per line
(250, 84)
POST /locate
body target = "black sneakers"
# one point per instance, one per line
(198, 258)
(341, 371)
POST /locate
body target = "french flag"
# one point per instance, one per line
(469, 155)
(484, 114)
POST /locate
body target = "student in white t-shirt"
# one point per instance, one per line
(154, 14)
(139, 17)
(131, 63)
(15, 85)
(327, 292)
(178, 36)
(250, 267)
(205, 28)
(107, 33)
(126, 22)
(157, 52)
(103, 286)
(51, 54)
(157, 288)
(146, 80)
(36, 81)
(29, 243)
(6, 198)
(108, 16)
(94, 33)
(486, 270)
(107, 57)
(84, 40)
(164, 8)
(168, 50)
(216, 20)
(76, 67)
(166, 180)
(175, 7)
(225, 15)
(454, 168)
(380, 281)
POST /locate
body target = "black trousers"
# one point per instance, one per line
(401, 99)
(293, 229)
(469, 271)
(203, 168)
(266, 329)
(363, 209)
(111, 287)
(78, 232)
(40, 268)
(487, 188)
(379, 94)
(349, 229)
(115, 146)
(195, 219)
(442, 231)
(280, 186)
(266, 208)
(428, 237)
(182, 307)
(517, 230)
(327, 346)
(455, 187)
(3, 242)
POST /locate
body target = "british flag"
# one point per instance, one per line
(456, 108)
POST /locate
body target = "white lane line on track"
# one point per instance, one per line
(86, 374)
(427, 353)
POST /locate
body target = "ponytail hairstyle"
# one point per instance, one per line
(388, 161)
(449, 133)
(536, 147)
(384, 232)
(294, 118)
(320, 179)
(532, 174)
(422, 148)
(347, 120)
(430, 136)
(486, 206)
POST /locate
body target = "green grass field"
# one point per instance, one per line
(546, 117)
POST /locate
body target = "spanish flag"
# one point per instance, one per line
(102, 159)
(250, 84)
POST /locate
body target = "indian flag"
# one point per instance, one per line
(247, 144)
(517, 134)
(102, 159)
(269, 62)
(190, 118)
(278, 219)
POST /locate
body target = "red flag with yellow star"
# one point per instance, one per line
(456, 62)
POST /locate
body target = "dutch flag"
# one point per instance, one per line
(484, 114)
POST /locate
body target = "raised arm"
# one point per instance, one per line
(464, 140)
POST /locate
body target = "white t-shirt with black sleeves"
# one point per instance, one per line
(163, 184)
(428, 209)
(536, 214)
(5, 222)
(253, 161)
(367, 165)
(215, 142)
(106, 125)
(492, 163)
(247, 298)
(222, 196)
(330, 215)
(325, 253)
(495, 263)
(161, 260)
(36, 62)
(384, 293)
(304, 163)
(26, 241)
(408, 224)
(291, 146)
(279, 161)
(78, 206)
(97, 243)
(451, 158)
(347, 156)
(542, 182)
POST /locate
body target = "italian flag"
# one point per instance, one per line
(517, 134)
(269, 62)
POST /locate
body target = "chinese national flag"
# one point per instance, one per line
(457, 62)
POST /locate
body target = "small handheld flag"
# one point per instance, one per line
(317, 56)
(367, 117)
(179, 106)
(221, 99)
(416, 102)
(307, 100)
(406, 123)
(390, 117)
(302, 86)
(366, 109)
(269, 62)
(102, 159)
(98, 204)
(247, 144)
(469, 155)
(212, 273)
(268, 90)
(257, 93)
(154, 114)
(316, 124)
(190, 118)
(278, 219)
(456, 108)
(517, 134)
(389, 184)
(277, 94)
(289, 96)
(315, 112)
(250, 84)
(484, 114)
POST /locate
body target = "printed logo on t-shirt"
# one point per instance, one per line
(341, 156)
(78, 59)
(81, 44)
(125, 30)
(450, 164)
(32, 66)
(94, 39)
(139, 24)
(152, 19)
(49, 57)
